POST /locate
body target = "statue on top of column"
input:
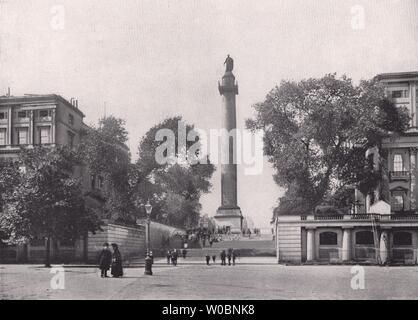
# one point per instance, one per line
(229, 62)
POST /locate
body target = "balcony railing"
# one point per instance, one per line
(329, 217)
(363, 217)
(399, 175)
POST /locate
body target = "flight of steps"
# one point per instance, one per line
(256, 246)
(246, 247)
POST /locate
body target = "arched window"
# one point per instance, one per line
(328, 239)
(397, 162)
(402, 239)
(364, 238)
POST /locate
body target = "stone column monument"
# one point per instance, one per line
(229, 213)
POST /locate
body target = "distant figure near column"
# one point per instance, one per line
(228, 215)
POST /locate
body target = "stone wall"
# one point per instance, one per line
(160, 232)
(131, 241)
(289, 243)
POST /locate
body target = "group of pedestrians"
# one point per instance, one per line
(172, 256)
(231, 255)
(110, 260)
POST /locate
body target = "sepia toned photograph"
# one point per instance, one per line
(210, 150)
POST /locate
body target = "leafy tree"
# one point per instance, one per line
(103, 149)
(45, 200)
(316, 134)
(174, 188)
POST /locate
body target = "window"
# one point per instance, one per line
(22, 114)
(397, 200)
(397, 162)
(364, 238)
(44, 113)
(44, 135)
(3, 115)
(71, 139)
(328, 239)
(400, 94)
(71, 119)
(402, 239)
(2, 137)
(22, 136)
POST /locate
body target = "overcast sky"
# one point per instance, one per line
(147, 60)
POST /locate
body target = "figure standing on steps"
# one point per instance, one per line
(214, 258)
(207, 258)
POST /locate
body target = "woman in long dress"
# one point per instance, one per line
(116, 269)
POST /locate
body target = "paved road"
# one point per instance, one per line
(254, 278)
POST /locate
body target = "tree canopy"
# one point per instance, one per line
(44, 198)
(317, 132)
(103, 148)
(173, 188)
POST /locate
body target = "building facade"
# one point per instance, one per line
(51, 120)
(384, 224)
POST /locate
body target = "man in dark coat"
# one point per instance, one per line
(116, 270)
(207, 258)
(174, 256)
(214, 258)
(168, 256)
(229, 255)
(105, 259)
(184, 253)
(234, 256)
(223, 256)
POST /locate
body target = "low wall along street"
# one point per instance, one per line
(130, 239)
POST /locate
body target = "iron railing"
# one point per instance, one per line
(364, 216)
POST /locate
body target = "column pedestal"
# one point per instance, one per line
(346, 250)
(384, 247)
(310, 245)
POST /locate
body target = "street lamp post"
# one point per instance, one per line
(148, 259)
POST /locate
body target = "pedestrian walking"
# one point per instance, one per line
(105, 259)
(207, 259)
(229, 256)
(223, 257)
(174, 257)
(168, 255)
(184, 253)
(116, 268)
(234, 256)
(214, 258)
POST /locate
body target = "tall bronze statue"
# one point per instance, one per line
(229, 62)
